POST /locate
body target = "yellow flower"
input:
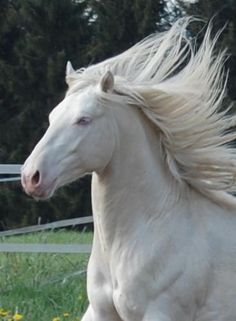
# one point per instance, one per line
(56, 319)
(17, 317)
(3, 313)
(66, 314)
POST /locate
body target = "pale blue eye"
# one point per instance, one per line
(83, 121)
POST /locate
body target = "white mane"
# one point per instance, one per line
(183, 103)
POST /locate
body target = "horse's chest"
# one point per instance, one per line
(119, 291)
(129, 303)
(132, 288)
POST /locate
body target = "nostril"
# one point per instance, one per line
(35, 178)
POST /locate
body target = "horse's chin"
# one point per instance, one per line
(42, 193)
(44, 196)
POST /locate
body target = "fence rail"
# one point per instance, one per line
(39, 248)
(45, 248)
(10, 168)
(48, 226)
(10, 179)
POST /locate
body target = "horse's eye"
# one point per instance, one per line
(83, 121)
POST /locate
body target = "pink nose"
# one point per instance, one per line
(31, 183)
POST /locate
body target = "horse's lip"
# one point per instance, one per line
(43, 192)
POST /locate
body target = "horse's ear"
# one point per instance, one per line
(69, 71)
(107, 82)
(69, 68)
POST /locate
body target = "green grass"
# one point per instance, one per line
(44, 286)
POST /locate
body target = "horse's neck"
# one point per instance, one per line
(136, 187)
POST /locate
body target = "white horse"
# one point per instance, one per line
(153, 137)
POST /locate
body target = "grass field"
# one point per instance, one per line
(43, 287)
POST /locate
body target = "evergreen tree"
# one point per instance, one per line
(222, 14)
(37, 38)
(118, 24)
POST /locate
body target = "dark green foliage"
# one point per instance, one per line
(37, 37)
(119, 24)
(222, 14)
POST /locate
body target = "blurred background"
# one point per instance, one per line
(37, 37)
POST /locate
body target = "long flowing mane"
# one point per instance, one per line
(181, 90)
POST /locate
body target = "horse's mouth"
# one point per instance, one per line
(41, 192)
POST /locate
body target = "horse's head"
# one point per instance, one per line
(78, 140)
